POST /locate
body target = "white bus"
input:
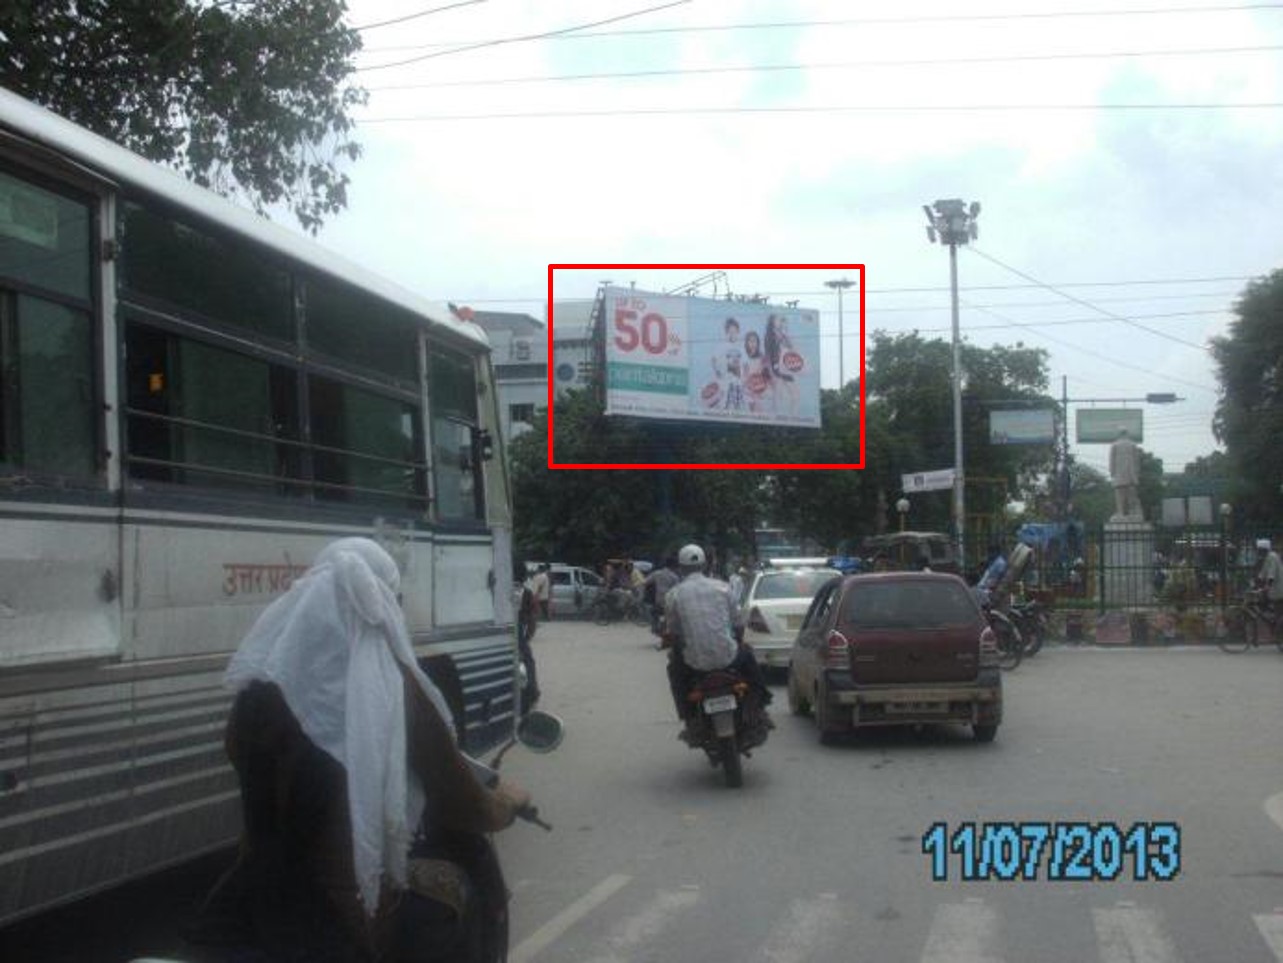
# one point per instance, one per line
(192, 403)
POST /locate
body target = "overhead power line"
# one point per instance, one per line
(840, 65)
(882, 21)
(523, 38)
(1087, 304)
(415, 16)
(542, 298)
(1082, 349)
(802, 110)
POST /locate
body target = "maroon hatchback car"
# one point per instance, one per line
(896, 648)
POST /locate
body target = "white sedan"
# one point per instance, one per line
(775, 605)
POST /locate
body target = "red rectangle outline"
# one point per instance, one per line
(552, 464)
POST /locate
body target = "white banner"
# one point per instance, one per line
(927, 481)
(699, 359)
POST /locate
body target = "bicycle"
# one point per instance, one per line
(619, 606)
(1243, 623)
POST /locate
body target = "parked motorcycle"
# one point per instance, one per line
(457, 902)
(1011, 641)
(1032, 618)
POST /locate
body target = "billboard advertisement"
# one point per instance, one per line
(701, 359)
(1102, 425)
(1024, 426)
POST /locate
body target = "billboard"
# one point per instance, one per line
(701, 359)
(1024, 426)
(1102, 425)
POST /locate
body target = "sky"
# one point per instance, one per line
(1127, 193)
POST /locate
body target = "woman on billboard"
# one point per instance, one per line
(758, 383)
(783, 360)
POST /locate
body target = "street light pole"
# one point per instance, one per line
(954, 223)
(841, 284)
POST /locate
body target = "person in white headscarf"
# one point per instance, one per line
(344, 750)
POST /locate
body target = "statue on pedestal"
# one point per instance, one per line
(1124, 472)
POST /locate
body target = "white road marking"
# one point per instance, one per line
(644, 926)
(1271, 927)
(1274, 809)
(556, 927)
(962, 933)
(808, 925)
(1130, 935)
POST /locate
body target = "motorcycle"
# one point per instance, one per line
(1031, 617)
(725, 717)
(456, 904)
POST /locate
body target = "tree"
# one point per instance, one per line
(1249, 415)
(910, 375)
(248, 97)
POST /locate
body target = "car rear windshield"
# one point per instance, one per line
(908, 605)
(792, 585)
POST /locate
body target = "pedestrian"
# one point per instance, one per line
(527, 624)
(1270, 574)
(541, 586)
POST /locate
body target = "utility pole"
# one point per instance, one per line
(841, 284)
(954, 223)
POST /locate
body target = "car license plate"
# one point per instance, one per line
(719, 704)
(916, 708)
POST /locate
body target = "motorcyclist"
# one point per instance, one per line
(705, 629)
(656, 587)
(344, 750)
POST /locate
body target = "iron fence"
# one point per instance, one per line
(1142, 567)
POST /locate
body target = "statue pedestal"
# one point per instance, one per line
(1127, 560)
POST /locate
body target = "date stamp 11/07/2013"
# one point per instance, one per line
(1054, 851)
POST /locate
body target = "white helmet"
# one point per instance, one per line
(1261, 543)
(690, 556)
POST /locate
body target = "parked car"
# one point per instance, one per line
(774, 606)
(896, 648)
(574, 590)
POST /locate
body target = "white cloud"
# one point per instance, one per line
(477, 209)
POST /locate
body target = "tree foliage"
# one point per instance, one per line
(1249, 415)
(585, 515)
(248, 97)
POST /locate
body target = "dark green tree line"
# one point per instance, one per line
(585, 515)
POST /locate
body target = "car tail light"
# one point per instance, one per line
(757, 622)
(988, 647)
(837, 654)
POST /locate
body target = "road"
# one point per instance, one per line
(819, 856)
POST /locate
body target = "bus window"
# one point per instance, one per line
(170, 262)
(452, 393)
(203, 415)
(47, 394)
(365, 445)
(356, 329)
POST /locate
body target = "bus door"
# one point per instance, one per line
(59, 525)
